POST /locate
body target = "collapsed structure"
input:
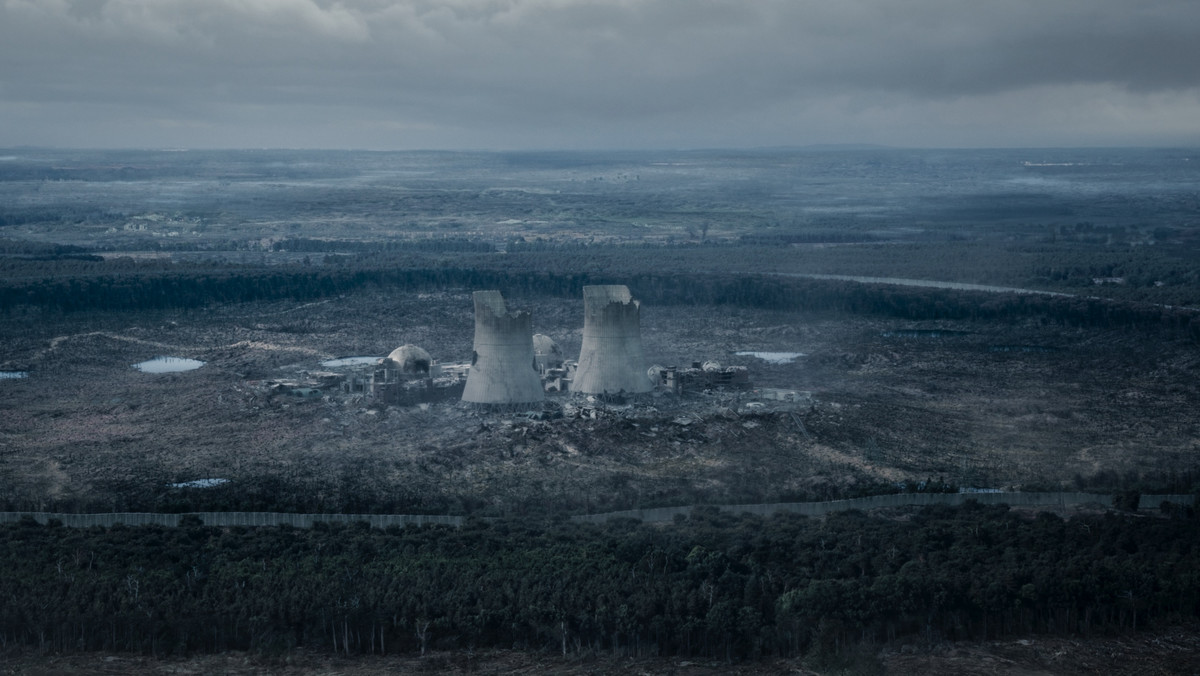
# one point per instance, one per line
(707, 376)
(503, 371)
(406, 377)
(611, 360)
(513, 369)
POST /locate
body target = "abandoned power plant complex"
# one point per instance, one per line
(512, 368)
(509, 363)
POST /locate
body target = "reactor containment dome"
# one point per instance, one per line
(546, 353)
(502, 365)
(411, 360)
(611, 360)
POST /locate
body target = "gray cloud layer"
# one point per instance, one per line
(598, 73)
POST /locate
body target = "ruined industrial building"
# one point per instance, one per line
(512, 369)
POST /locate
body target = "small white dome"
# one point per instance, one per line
(546, 353)
(544, 345)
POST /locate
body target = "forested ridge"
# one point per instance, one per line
(713, 584)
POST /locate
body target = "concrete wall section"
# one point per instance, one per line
(226, 519)
(652, 515)
(502, 368)
(611, 359)
(1049, 500)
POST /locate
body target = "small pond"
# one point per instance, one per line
(168, 365)
(13, 375)
(773, 357)
(348, 361)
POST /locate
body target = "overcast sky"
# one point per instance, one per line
(509, 74)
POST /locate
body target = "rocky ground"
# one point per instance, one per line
(973, 403)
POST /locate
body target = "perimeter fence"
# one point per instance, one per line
(650, 515)
(1046, 500)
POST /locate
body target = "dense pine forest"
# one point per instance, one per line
(128, 285)
(714, 585)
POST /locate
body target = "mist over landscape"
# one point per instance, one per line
(597, 336)
(189, 332)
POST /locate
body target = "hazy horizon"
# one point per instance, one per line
(813, 147)
(597, 74)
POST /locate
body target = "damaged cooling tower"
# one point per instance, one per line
(611, 360)
(502, 370)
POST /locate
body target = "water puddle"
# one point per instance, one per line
(13, 375)
(922, 333)
(1022, 348)
(199, 483)
(349, 361)
(168, 365)
(773, 357)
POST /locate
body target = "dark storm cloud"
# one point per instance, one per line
(605, 72)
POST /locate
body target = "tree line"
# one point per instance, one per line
(131, 285)
(308, 244)
(712, 584)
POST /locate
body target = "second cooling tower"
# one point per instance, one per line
(502, 369)
(611, 360)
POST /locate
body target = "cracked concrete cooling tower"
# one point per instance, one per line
(502, 370)
(611, 360)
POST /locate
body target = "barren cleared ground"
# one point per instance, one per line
(1168, 651)
(987, 405)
